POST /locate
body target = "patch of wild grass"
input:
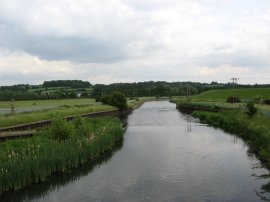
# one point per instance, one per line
(62, 146)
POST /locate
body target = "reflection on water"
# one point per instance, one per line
(166, 156)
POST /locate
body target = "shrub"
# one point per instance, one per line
(106, 99)
(118, 100)
(233, 99)
(215, 108)
(61, 129)
(251, 109)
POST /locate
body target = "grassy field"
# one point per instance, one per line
(47, 103)
(222, 95)
(9, 120)
(212, 98)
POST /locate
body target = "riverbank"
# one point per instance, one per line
(255, 131)
(211, 108)
(63, 146)
(34, 120)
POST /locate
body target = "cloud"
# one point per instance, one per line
(134, 40)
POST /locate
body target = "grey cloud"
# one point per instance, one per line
(76, 49)
(238, 58)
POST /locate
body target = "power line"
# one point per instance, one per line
(234, 87)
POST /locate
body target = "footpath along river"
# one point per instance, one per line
(165, 156)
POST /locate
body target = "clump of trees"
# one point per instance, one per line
(67, 83)
(116, 99)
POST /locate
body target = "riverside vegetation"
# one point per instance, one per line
(241, 119)
(255, 130)
(62, 146)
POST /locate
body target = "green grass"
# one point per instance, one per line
(70, 107)
(256, 130)
(22, 118)
(31, 160)
(47, 103)
(222, 95)
(212, 98)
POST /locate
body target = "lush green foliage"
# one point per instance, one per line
(255, 130)
(150, 88)
(67, 83)
(116, 99)
(32, 160)
(251, 109)
(61, 129)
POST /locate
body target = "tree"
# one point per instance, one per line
(118, 100)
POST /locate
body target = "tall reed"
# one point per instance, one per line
(32, 160)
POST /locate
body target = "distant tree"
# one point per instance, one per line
(66, 83)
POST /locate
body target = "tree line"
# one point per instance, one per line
(61, 89)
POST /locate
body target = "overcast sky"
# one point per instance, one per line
(105, 41)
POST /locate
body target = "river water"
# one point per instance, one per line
(165, 156)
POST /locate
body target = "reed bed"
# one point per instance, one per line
(33, 160)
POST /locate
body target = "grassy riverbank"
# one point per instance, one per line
(70, 107)
(255, 130)
(231, 117)
(15, 119)
(63, 146)
(216, 99)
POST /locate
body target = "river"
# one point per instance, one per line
(165, 156)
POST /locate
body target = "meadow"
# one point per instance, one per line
(21, 118)
(217, 99)
(47, 103)
(222, 95)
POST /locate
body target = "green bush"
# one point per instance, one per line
(106, 99)
(61, 129)
(251, 110)
(118, 100)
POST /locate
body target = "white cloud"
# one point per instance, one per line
(133, 40)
